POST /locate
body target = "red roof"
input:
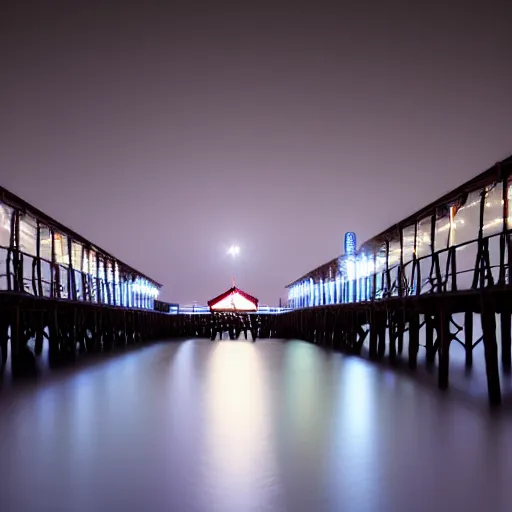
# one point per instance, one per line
(234, 300)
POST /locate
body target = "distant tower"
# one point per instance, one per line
(350, 265)
(350, 244)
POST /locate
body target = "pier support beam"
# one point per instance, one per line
(4, 339)
(444, 348)
(392, 336)
(506, 355)
(429, 339)
(468, 337)
(374, 334)
(491, 354)
(381, 349)
(414, 339)
(400, 327)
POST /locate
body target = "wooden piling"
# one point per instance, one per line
(468, 338)
(374, 332)
(400, 326)
(444, 347)
(491, 353)
(4, 338)
(429, 339)
(414, 339)
(506, 355)
(392, 336)
(381, 348)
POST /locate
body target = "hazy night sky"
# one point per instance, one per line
(165, 134)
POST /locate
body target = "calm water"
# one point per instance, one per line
(240, 426)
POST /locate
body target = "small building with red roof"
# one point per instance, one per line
(233, 300)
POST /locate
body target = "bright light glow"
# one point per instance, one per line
(494, 222)
(351, 270)
(338, 289)
(445, 227)
(364, 266)
(237, 412)
(143, 287)
(332, 291)
(234, 301)
(234, 251)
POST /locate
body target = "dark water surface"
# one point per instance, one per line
(239, 426)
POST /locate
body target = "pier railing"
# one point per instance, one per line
(41, 257)
(423, 280)
(460, 242)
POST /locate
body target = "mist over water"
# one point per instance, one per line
(240, 426)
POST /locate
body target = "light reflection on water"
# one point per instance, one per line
(241, 426)
(239, 447)
(354, 439)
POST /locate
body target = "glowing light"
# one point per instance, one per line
(234, 251)
(5, 217)
(494, 222)
(142, 287)
(351, 270)
(332, 291)
(364, 266)
(338, 289)
(452, 233)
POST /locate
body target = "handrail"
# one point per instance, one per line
(399, 278)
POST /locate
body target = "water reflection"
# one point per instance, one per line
(202, 426)
(306, 391)
(239, 449)
(303, 425)
(355, 438)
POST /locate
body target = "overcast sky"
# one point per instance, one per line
(165, 134)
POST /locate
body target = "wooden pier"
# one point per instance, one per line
(385, 324)
(70, 329)
(451, 258)
(73, 328)
(57, 287)
(407, 288)
(233, 326)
